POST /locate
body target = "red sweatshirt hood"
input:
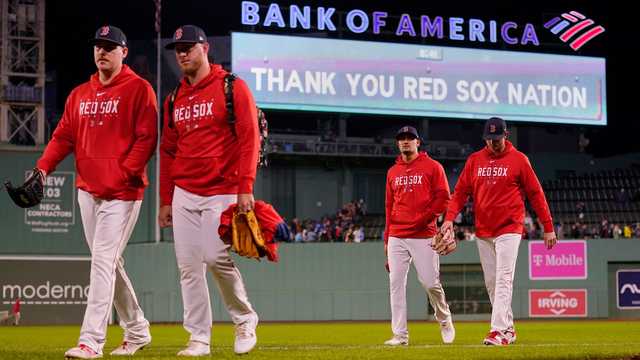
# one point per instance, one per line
(507, 149)
(215, 72)
(421, 155)
(125, 74)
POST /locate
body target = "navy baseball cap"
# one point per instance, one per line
(494, 129)
(408, 130)
(111, 34)
(187, 34)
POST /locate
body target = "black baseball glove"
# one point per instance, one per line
(30, 193)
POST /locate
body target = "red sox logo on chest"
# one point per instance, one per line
(408, 182)
(99, 109)
(492, 173)
(189, 115)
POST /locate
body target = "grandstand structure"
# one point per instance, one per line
(589, 198)
(22, 72)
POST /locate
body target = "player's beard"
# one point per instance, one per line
(409, 152)
(191, 68)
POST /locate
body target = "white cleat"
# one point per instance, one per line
(447, 331)
(82, 351)
(397, 341)
(246, 337)
(195, 348)
(129, 348)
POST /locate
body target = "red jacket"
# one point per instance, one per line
(497, 184)
(199, 153)
(112, 130)
(417, 193)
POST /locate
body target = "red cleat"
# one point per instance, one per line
(497, 338)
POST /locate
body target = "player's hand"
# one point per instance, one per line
(386, 257)
(245, 202)
(550, 239)
(165, 216)
(446, 227)
(43, 174)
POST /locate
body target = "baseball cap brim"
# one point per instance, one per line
(172, 45)
(493, 137)
(406, 133)
(93, 41)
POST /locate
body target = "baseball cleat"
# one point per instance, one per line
(496, 338)
(397, 341)
(447, 331)
(129, 348)
(82, 351)
(195, 348)
(510, 334)
(246, 338)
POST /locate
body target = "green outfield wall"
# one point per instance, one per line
(326, 281)
(318, 281)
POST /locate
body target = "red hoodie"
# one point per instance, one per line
(112, 130)
(498, 183)
(417, 192)
(199, 153)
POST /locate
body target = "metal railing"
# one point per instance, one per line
(359, 147)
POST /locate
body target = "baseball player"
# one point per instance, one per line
(206, 164)
(109, 124)
(417, 192)
(497, 177)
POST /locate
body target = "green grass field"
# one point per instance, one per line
(356, 340)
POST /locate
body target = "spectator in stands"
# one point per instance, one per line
(627, 231)
(296, 226)
(605, 230)
(362, 207)
(623, 196)
(637, 231)
(528, 221)
(311, 235)
(576, 231)
(617, 231)
(358, 234)
(560, 230)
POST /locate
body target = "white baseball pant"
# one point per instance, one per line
(108, 224)
(400, 253)
(498, 258)
(198, 248)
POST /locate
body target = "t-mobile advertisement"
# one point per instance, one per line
(567, 260)
(50, 290)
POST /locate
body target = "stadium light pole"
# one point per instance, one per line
(158, 3)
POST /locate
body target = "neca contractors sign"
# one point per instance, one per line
(572, 27)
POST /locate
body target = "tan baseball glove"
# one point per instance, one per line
(444, 243)
(246, 237)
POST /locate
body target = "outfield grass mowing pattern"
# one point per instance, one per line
(582, 339)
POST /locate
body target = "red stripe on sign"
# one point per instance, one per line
(574, 29)
(583, 39)
(569, 17)
(577, 14)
